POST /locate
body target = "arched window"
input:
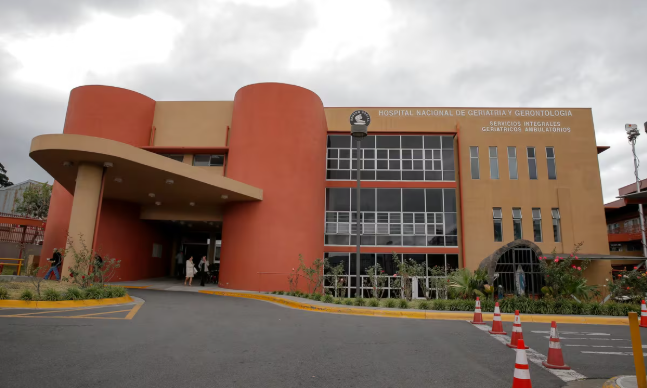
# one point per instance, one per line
(518, 268)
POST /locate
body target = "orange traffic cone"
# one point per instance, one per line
(643, 314)
(521, 371)
(517, 334)
(478, 317)
(555, 356)
(497, 326)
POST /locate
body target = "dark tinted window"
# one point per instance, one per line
(338, 141)
(448, 142)
(388, 200)
(338, 199)
(434, 200)
(413, 200)
(411, 141)
(450, 200)
(387, 142)
(367, 200)
(432, 142)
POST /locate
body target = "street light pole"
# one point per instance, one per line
(359, 121)
(632, 134)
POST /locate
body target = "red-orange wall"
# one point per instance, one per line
(123, 236)
(106, 112)
(277, 143)
(110, 113)
(58, 220)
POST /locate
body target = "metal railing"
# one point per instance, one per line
(389, 291)
(630, 229)
(3, 263)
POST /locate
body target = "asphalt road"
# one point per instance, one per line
(185, 339)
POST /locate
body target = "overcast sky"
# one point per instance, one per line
(351, 53)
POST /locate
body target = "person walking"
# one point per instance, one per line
(204, 267)
(56, 260)
(179, 264)
(190, 271)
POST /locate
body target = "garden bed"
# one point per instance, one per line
(51, 290)
(507, 305)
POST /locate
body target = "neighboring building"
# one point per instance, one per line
(623, 226)
(10, 196)
(271, 175)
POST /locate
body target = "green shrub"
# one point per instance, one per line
(424, 305)
(95, 292)
(280, 292)
(4, 293)
(315, 296)
(27, 295)
(403, 304)
(348, 301)
(52, 295)
(73, 293)
(360, 302)
(114, 292)
(440, 304)
(374, 302)
(390, 303)
(487, 306)
(338, 301)
(327, 298)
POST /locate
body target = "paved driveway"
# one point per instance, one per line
(186, 339)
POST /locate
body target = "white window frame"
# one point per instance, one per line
(534, 151)
(494, 162)
(512, 160)
(478, 166)
(548, 158)
(537, 218)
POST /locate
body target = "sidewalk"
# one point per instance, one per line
(622, 382)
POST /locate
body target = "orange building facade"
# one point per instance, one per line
(255, 182)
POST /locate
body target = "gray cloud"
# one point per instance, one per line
(468, 53)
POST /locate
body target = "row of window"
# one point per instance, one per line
(633, 223)
(392, 217)
(629, 247)
(513, 172)
(392, 158)
(200, 159)
(497, 217)
(448, 262)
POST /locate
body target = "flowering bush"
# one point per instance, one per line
(628, 284)
(377, 280)
(563, 278)
(85, 269)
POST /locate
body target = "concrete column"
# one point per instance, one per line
(84, 210)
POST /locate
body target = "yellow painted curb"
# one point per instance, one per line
(65, 303)
(440, 315)
(136, 287)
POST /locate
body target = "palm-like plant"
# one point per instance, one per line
(465, 284)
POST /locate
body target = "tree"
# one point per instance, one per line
(35, 201)
(4, 179)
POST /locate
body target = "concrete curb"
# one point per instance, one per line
(22, 304)
(621, 382)
(420, 314)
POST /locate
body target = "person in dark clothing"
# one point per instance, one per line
(56, 260)
(204, 267)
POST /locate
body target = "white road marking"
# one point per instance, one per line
(568, 332)
(536, 358)
(591, 339)
(614, 353)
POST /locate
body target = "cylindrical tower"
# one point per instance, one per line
(277, 143)
(100, 111)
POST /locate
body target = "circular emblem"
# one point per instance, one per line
(360, 117)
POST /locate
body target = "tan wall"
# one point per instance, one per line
(576, 192)
(192, 123)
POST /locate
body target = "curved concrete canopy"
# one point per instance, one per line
(141, 173)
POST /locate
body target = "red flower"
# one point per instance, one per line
(71, 275)
(556, 260)
(575, 257)
(579, 268)
(635, 267)
(628, 288)
(574, 267)
(571, 255)
(82, 277)
(395, 275)
(619, 275)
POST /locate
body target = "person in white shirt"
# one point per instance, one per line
(190, 271)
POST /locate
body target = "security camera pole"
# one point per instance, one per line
(632, 135)
(359, 121)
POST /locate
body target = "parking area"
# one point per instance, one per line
(180, 338)
(125, 311)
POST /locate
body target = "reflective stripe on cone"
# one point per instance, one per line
(478, 317)
(497, 326)
(555, 357)
(521, 371)
(517, 334)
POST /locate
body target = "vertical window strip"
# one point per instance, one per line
(516, 223)
(512, 162)
(557, 227)
(494, 163)
(497, 216)
(550, 161)
(474, 162)
(536, 224)
(532, 163)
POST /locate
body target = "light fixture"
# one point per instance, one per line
(158, 203)
(224, 196)
(118, 180)
(67, 164)
(181, 222)
(190, 225)
(152, 195)
(210, 223)
(169, 181)
(107, 164)
(191, 203)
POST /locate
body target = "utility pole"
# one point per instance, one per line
(632, 135)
